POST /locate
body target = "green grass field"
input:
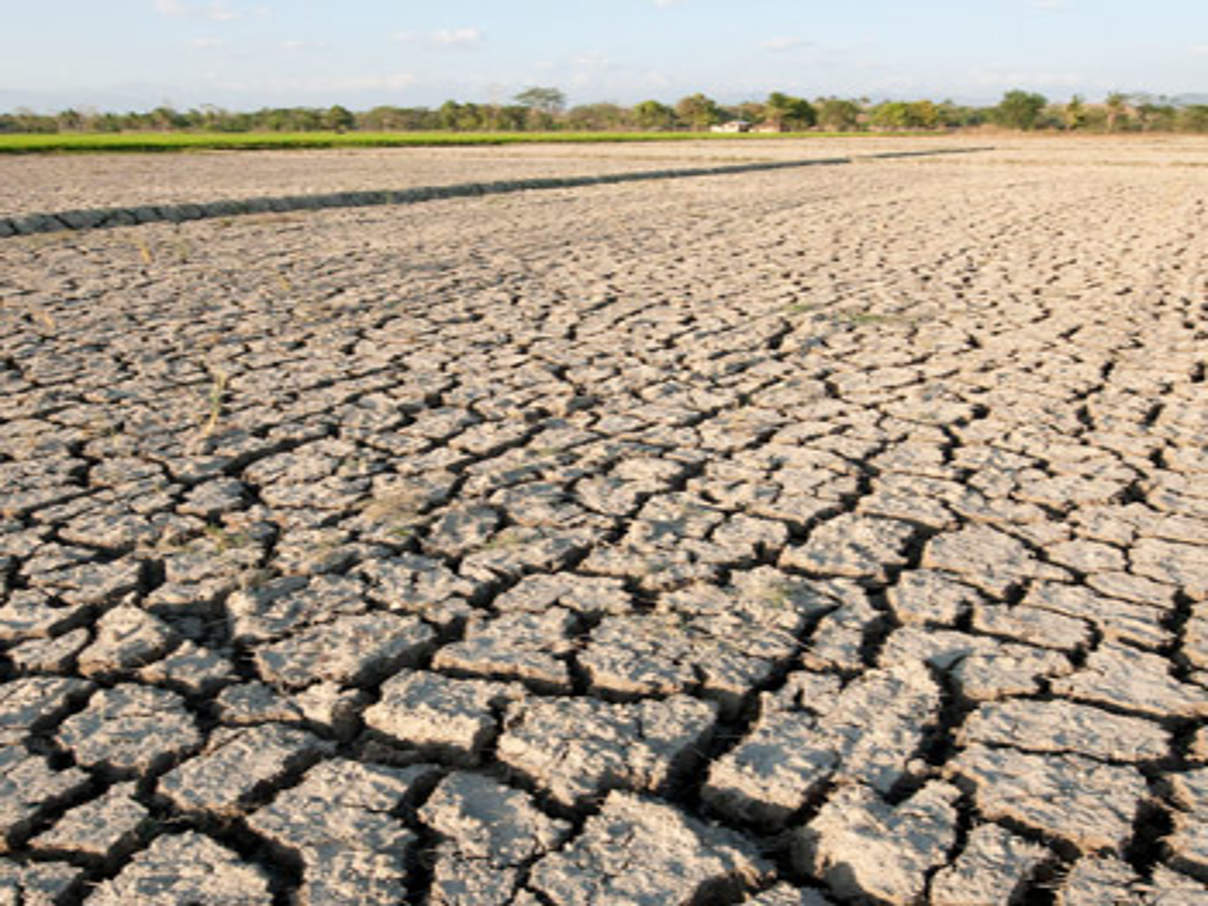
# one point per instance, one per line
(26, 143)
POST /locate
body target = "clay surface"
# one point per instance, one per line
(829, 535)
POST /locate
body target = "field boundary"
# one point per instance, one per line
(106, 218)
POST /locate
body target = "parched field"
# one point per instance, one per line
(832, 535)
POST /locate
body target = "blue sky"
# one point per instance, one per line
(242, 54)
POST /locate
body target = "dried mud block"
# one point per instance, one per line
(838, 641)
(186, 868)
(531, 647)
(196, 670)
(863, 847)
(333, 709)
(126, 637)
(640, 852)
(31, 614)
(987, 558)
(255, 703)
(1109, 881)
(1090, 804)
(1138, 624)
(1182, 566)
(1123, 677)
(1195, 638)
(1188, 845)
(1137, 589)
(1062, 726)
(580, 748)
(773, 772)
(101, 828)
(788, 895)
(32, 703)
(993, 870)
(1032, 626)
(589, 596)
(858, 547)
(981, 668)
(927, 596)
(237, 763)
(868, 733)
(489, 831)
(56, 655)
(27, 786)
(520, 549)
(354, 649)
(430, 711)
(1086, 556)
(89, 583)
(35, 883)
(460, 529)
(131, 728)
(341, 820)
(1199, 745)
(283, 605)
(670, 651)
(211, 499)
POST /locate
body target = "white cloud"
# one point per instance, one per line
(216, 11)
(206, 42)
(782, 43)
(457, 37)
(1048, 4)
(220, 12)
(394, 82)
(663, 4)
(443, 37)
(1200, 50)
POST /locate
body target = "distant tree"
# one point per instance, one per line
(1117, 110)
(1193, 118)
(339, 119)
(512, 117)
(25, 120)
(1154, 114)
(751, 111)
(469, 118)
(698, 112)
(547, 100)
(166, 118)
(890, 115)
(953, 115)
(448, 115)
(653, 115)
(1019, 109)
(385, 118)
(600, 117)
(837, 115)
(70, 121)
(789, 112)
(1074, 115)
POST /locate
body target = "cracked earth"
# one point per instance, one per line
(822, 536)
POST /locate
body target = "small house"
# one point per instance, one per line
(732, 126)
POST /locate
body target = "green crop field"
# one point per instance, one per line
(29, 143)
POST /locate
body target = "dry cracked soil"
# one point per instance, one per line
(822, 536)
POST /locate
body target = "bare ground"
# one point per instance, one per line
(820, 536)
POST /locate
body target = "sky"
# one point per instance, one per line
(246, 54)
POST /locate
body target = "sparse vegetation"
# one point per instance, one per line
(540, 115)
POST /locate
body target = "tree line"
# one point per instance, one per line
(540, 109)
